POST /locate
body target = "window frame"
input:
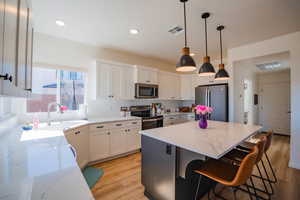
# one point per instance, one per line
(58, 69)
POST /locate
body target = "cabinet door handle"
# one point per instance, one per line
(77, 132)
(168, 149)
(118, 124)
(6, 77)
(108, 133)
(134, 122)
(100, 127)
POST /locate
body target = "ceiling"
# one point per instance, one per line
(107, 23)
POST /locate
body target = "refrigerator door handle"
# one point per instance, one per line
(206, 97)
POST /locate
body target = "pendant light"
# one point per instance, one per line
(186, 62)
(222, 73)
(206, 69)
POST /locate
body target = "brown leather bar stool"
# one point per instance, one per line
(237, 155)
(228, 174)
(249, 145)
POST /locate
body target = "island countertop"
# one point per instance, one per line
(215, 141)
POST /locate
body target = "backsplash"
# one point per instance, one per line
(106, 108)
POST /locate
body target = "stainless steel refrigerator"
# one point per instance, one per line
(215, 96)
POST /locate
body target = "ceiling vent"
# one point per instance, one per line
(270, 66)
(176, 30)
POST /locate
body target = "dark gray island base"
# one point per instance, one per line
(167, 171)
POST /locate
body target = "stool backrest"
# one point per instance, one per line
(246, 168)
(261, 148)
(269, 140)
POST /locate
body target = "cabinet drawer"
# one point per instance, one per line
(76, 131)
(100, 127)
(137, 124)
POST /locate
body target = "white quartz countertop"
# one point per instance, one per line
(39, 165)
(215, 141)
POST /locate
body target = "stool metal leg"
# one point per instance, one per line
(263, 181)
(250, 195)
(253, 187)
(268, 177)
(199, 181)
(272, 170)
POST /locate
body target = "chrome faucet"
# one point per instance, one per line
(50, 106)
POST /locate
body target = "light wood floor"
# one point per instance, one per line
(122, 177)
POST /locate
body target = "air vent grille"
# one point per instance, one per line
(176, 30)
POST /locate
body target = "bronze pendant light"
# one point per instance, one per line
(222, 73)
(206, 69)
(186, 62)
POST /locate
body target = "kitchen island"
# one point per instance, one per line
(170, 154)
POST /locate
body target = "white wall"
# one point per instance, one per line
(57, 51)
(245, 71)
(286, 43)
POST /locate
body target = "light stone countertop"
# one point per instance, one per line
(214, 142)
(39, 164)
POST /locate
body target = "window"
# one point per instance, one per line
(61, 86)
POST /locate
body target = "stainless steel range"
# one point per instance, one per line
(149, 121)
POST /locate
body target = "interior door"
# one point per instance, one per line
(275, 109)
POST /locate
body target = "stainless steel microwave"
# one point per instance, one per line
(146, 91)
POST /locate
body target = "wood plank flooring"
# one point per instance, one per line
(122, 177)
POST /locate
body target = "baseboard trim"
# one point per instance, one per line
(112, 157)
(295, 165)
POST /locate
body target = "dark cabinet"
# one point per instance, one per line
(16, 47)
(158, 169)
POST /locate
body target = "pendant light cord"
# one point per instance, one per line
(221, 46)
(184, 13)
(205, 37)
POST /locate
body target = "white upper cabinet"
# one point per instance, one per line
(127, 86)
(111, 81)
(146, 75)
(187, 88)
(169, 86)
(16, 47)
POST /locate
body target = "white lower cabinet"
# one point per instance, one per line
(133, 139)
(112, 139)
(99, 145)
(79, 139)
(118, 142)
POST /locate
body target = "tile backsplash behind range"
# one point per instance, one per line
(106, 108)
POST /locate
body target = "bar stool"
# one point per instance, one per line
(248, 146)
(237, 155)
(228, 174)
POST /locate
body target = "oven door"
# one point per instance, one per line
(146, 91)
(152, 123)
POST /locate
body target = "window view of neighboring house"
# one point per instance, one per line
(53, 85)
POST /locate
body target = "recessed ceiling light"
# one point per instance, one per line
(60, 23)
(134, 31)
(192, 54)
